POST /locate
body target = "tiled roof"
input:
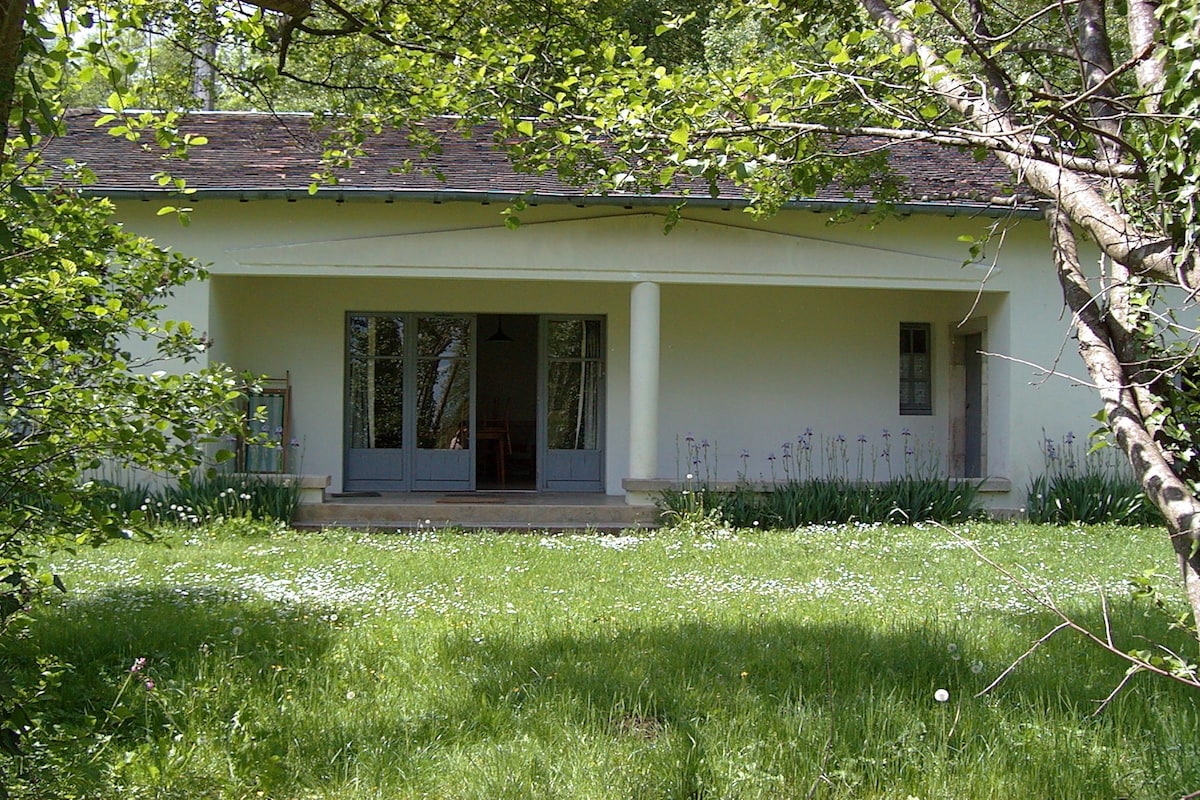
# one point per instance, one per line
(256, 154)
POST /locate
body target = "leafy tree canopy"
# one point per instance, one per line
(91, 379)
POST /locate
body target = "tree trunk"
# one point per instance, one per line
(1163, 487)
(12, 29)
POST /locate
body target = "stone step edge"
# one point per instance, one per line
(516, 527)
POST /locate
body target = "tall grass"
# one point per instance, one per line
(667, 665)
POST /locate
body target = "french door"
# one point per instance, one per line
(411, 391)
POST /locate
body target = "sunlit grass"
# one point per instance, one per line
(732, 664)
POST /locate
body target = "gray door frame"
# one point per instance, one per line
(969, 401)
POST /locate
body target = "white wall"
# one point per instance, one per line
(767, 328)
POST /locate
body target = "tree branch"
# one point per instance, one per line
(1142, 21)
(1071, 192)
(1047, 602)
(297, 9)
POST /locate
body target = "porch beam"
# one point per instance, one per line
(644, 343)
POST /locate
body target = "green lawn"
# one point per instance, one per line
(662, 665)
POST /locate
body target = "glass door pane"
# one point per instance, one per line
(443, 382)
(443, 402)
(573, 398)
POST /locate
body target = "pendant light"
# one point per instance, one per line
(500, 335)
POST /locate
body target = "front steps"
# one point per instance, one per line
(496, 511)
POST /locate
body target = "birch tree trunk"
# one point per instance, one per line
(1150, 466)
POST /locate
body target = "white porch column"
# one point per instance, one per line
(644, 312)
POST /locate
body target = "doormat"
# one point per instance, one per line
(354, 494)
(471, 500)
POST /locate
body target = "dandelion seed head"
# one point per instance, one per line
(941, 695)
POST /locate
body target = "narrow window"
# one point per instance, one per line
(916, 386)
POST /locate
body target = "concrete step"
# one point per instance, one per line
(495, 515)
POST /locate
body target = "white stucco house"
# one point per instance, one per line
(411, 323)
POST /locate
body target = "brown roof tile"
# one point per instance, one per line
(255, 154)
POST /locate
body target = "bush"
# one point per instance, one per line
(205, 499)
(825, 500)
(1086, 488)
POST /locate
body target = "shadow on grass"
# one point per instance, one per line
(840, 710)
(136, 663)
(182, 630)
(845, 710)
